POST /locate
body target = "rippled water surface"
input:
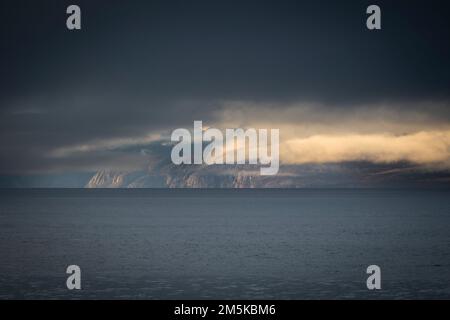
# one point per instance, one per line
(220, 244)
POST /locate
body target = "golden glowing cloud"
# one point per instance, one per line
(418, 133)
(422, 148)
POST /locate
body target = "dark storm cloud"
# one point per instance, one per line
(317, 50)
(32, 130)
(144, 66)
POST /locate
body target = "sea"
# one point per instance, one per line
(225, 243)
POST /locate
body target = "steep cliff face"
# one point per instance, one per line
(118, 179)
(197, 176)
(106, 179)
(167, 175)
(200, 180)
(162, 173)
(171, 176)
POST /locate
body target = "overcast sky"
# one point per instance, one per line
(139, 69)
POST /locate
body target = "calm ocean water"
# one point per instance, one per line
(224, 244)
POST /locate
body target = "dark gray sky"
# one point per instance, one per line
(140, 67)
